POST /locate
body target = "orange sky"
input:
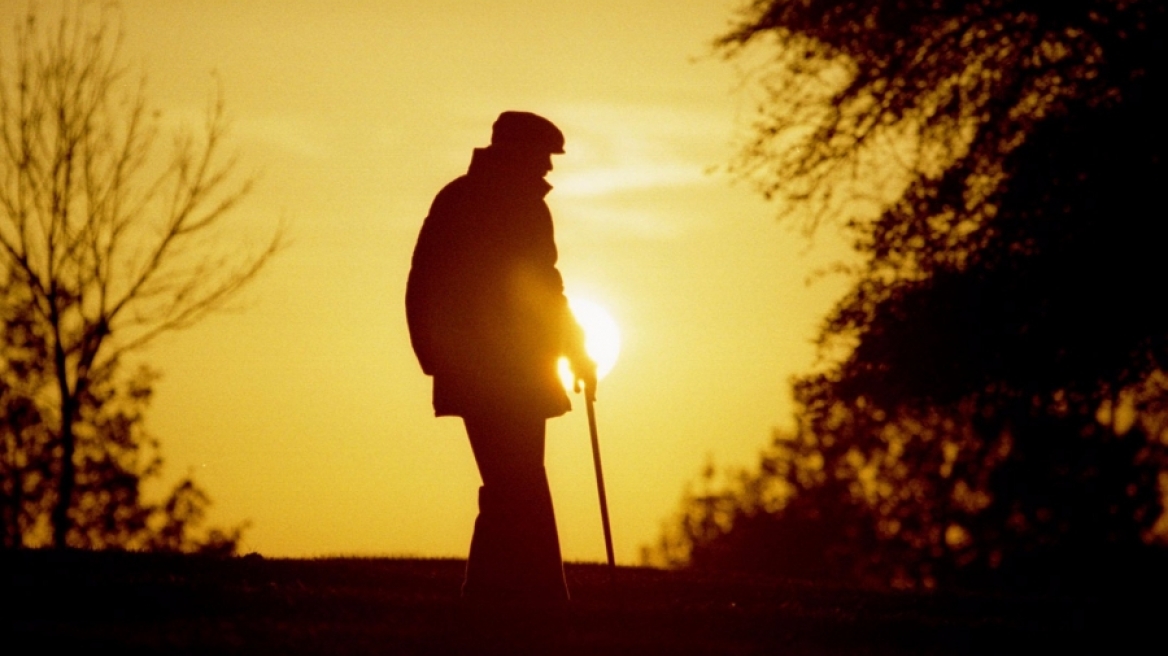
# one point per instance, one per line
(306, 412)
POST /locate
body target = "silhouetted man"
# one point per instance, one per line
(488, 320)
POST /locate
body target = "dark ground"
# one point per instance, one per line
(123, 603)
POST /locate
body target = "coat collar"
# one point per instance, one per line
(487, 164)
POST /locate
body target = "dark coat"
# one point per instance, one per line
(485, 303)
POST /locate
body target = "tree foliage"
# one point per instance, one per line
(105, 244)
(993, 407)
(114, 457)
(924, 87)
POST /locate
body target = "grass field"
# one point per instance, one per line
(121, 603)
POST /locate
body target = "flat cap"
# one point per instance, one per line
(528, 131)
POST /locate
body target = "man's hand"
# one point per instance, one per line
(584, 370)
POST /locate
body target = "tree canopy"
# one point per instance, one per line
(993, 403)
(925, 87)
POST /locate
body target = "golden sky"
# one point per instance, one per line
(306, 413)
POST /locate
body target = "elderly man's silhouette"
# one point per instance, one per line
(488, 320)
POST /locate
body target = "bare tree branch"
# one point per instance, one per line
(114, 241)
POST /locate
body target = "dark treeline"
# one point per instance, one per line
(993, 407)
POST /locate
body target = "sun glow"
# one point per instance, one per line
(601, 339)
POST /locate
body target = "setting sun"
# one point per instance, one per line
(601, 339)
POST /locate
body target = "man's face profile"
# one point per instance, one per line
(536, 163)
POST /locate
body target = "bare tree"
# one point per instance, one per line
(114, 239)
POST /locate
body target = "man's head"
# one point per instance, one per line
(527, 131)
(528, 139)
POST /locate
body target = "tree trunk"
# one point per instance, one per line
(68, 478)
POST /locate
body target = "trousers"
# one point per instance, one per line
(515, 550)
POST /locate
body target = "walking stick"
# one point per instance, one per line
(589, 398)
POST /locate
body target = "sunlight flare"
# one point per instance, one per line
(601, 339)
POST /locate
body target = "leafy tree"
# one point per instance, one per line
(105, 244)
(994, 400)
(788, 518)
(114, 457)
(26, 463)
